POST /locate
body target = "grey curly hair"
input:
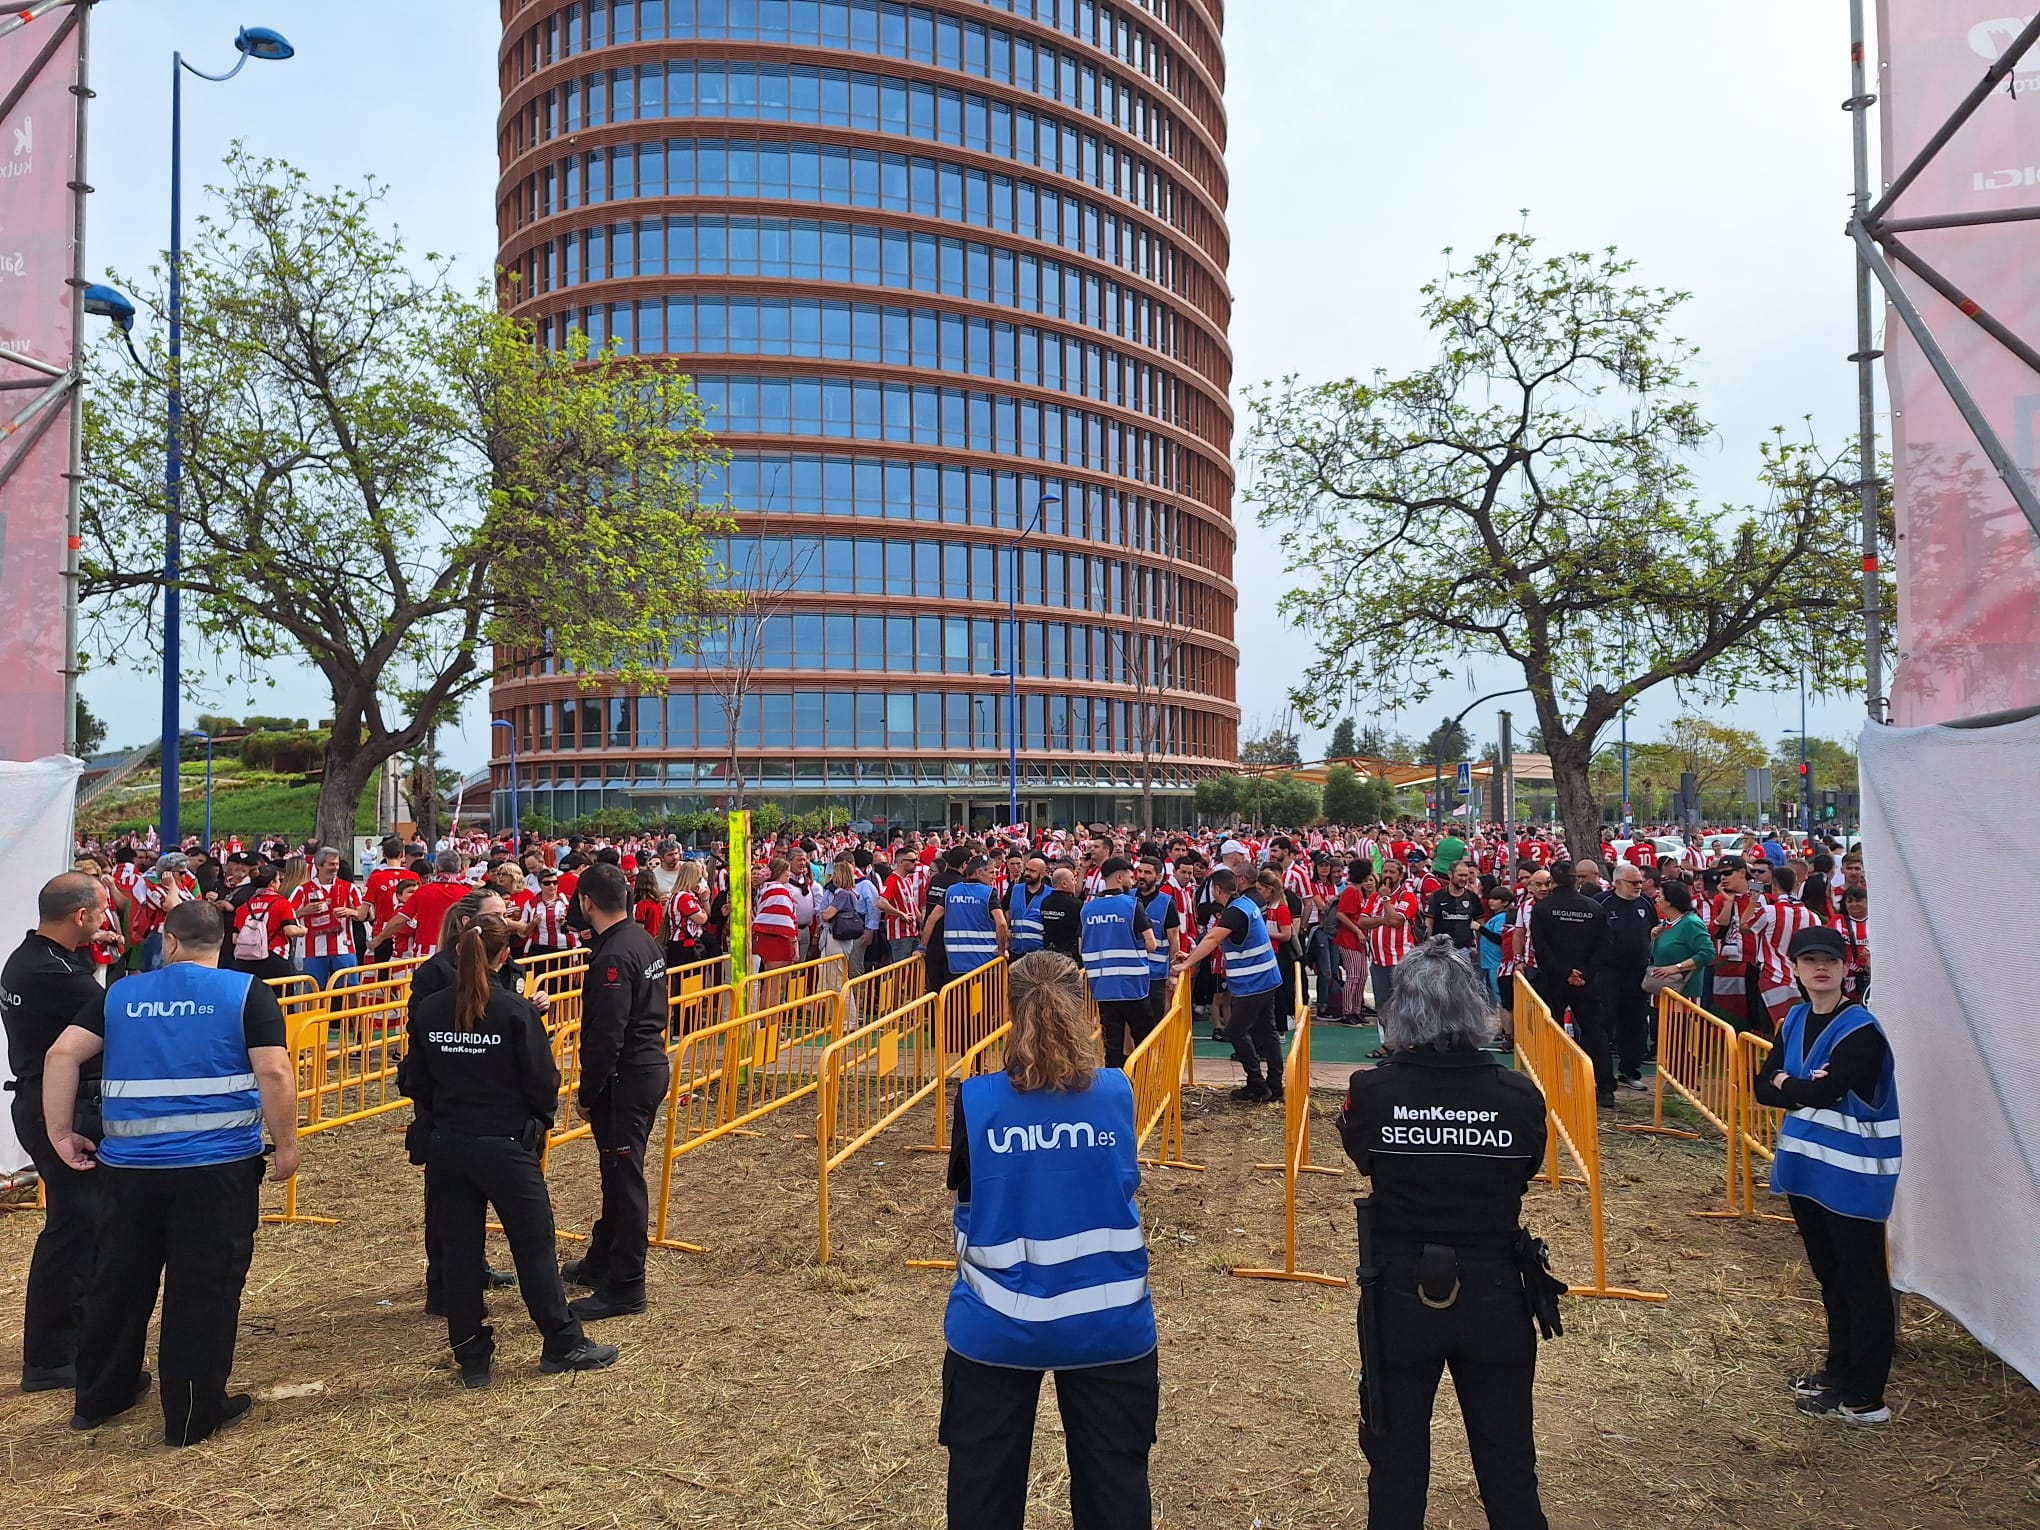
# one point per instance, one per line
(1439, 1001)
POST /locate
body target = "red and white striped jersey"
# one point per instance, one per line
(1857, 933)
(1323, 895)
(548, 920)
(1094, 884)
(325, 934)
(898, 891)
(1778, 920)
(1519, 955)
(775, 914)
(1389, 944)
(1296, 879)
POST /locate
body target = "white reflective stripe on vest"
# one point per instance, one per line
(1834, 1120)
(1098, 1240)
(163, 1126)
(971, 940)
(1235, 967)
(159, 1088)
(1855, 1162)
(1046, 1309)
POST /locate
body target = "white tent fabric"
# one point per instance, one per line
(36, 798)
(1955, 975)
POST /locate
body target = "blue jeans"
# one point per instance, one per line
(320, 969)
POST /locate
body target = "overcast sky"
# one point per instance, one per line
(1365, 137)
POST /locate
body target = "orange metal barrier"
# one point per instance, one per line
(1756, 1126)
(1564, 1072)
(769, 990)
(1296, 1157)
(985, 1055)
(875, 994)
(1156, 1070)
(728, 1074)
(870, 1080)
(1696, 1059)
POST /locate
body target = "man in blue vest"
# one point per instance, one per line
(1118, 941)
(193, 1062)
(1252, 978)
(1023, 907)
(1166, 916)
(969, 920)
(1837, 1166)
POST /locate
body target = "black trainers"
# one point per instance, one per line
(476, 1374)
(575, 1273)
(494, 1279)
(48, 1378)
(237, 1408)
(606, 1304)
(1274, 1096)
(1605, 1101)
(1849, 1410)
(1812, 1384)
(585, 1356)
(85, 1421)
(1253, 1092)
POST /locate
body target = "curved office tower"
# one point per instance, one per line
(952, 279)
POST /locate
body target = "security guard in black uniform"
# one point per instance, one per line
(1449, 1139)
(437, 974)
(482, 1073)
(624, 1073)
(44, 985)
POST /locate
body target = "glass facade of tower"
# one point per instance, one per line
(951, 278)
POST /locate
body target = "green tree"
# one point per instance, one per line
(1351, 798)
(1528, 497)
(1218, 798)
(1280, 800)
(386, 477)
(1277, 746)
(90, 730)
(1445, 744)
(1344, 745)
(1379, 743)
(1716, 754)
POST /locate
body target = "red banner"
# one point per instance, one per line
(38, 151)
(1968, 565)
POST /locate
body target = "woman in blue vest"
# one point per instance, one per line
(1837, 1166)
(1051, 1271)
(1252, 979)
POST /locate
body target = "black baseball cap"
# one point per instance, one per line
(1818, 938)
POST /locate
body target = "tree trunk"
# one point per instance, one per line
(1578, 812)
(348, 772)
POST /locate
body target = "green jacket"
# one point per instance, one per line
(1686, 939)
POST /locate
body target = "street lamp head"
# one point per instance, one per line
(500, 722)
(1051, 498)
(109, 303)
(203, 738)
(263, 42)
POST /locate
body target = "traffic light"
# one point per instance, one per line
(1805, 772)
(1829, 801)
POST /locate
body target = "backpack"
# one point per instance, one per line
(251, 941)
(848, 924)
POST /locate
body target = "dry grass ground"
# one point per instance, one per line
(765, 1389)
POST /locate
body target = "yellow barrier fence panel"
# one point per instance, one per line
(697, 977)
(548, 969)
(700, 1103)
(312, 1056)
(1566, 1075)
(1156, 1071)
(1756, 1133)
(970, 1008)
(298, 997)
(783, 1061)
(985, 1055)
(769, 990)
(696, 1009)
(1696, 1060)
(368, 973)
(875, 994)
(870, 1080)
(1296, 1156)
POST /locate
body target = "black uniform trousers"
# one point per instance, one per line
(1625, 1009)
(1125, 1023)
(1282, 1013)
(1255, 1042)
(463, 1177)
(621, 1118)
(60, 1269)
(1846, 1255)
(1109, 1414)
(1486, 1340)
(194, 1231)
(1588, 1021)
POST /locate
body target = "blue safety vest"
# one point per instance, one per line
(1023, 916)
(969, 938)
(177, 1087)
(1051, 1263)
(1846, 1155)
(1250, 966)
(1158, 915)
(1114, 960)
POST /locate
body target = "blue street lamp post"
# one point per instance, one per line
(208, 784)
(1013, 661)
(512, 729)
(251, 42)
